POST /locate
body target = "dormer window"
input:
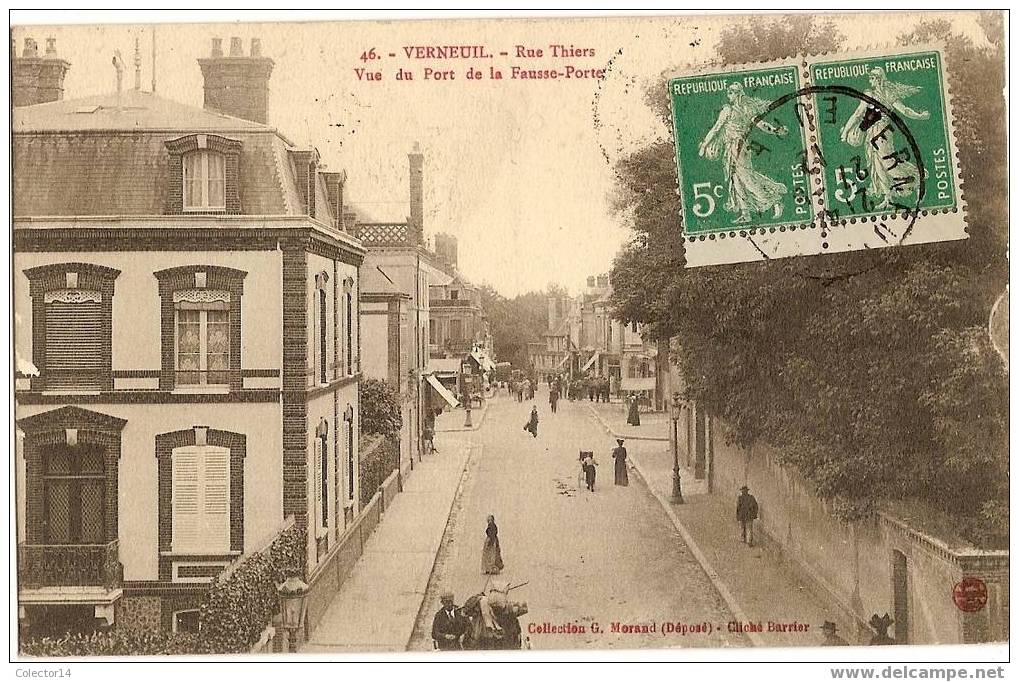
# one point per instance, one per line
(204, 181)
(204, 172)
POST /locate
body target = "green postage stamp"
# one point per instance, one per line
(816, 155)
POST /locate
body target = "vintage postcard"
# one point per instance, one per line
(537, 333)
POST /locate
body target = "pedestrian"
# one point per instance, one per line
(619, 454)
(491, 553)
(880, 624)
(831, 637)
(605, 389)
(448, 625)
(746, 513)
(590, 390)
(633, 417)
(532, 423)
(528, 389)
(519, 387)
(553, 400)
(589, 463)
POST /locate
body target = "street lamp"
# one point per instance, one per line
(677, 486)
(293, 595)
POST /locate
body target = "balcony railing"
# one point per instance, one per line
(69, 565)
(383, 234)
(451, 303)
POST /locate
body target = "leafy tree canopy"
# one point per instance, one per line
(872, 372)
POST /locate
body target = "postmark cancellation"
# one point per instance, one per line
(814, 155)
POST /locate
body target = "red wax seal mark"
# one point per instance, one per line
(970, 594)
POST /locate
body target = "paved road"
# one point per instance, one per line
(591, 559)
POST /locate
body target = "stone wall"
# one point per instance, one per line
(874, 566)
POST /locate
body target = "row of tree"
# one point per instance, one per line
(517, 321)
(872, 371)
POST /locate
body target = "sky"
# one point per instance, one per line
(521, 172)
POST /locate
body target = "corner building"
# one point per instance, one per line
(186, 329)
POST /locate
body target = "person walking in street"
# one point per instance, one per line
(528, 389)
(491, 553)
(831, 637)
(746, 513)
(553, 400)
(619, 454)
(448, 625)
(633, 416)
(519, 387)
(589, 463)
(532, 423)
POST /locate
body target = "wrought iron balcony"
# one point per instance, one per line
(69, 565)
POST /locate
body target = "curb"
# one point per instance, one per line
(457, 494)
(625, 437)
(716, 581)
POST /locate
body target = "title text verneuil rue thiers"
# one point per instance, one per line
(446, 63)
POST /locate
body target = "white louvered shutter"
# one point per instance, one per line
(201, 500)
(186, 496)
(217, 500)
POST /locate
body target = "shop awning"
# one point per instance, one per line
(587, 365)
(442, 390)
(444, 366)
(483, 362)
(641, 384)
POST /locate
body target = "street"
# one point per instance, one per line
(593, 562)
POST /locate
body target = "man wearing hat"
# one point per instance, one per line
(746, 512)
(448, 626)
(830, 636)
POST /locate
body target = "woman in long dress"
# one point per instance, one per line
(633, 416)
(491, 553)
(532, 423)
(749, 190)
(619, 454)
(891, 175)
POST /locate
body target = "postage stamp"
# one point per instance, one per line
(737, 166)
(866, 140)
(816, 156)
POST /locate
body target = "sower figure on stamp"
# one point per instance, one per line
(749, 190)
(746, 513)
(448, 625)
(888, 179)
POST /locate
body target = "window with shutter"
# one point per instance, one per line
(74, 340)
(200, 500)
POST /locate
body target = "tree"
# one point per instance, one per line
(515, 322)
(869, 371)
(380, 408)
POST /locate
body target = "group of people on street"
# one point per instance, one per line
(451, 624)
(524, 390)
(589, 466)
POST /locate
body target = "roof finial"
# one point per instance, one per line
(118, 64)
(137, 65)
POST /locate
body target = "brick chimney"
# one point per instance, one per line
(238, 84)
(35, 79)
(416, 221)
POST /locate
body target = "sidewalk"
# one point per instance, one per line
(397, 561)
(757, 583)
(653, 425)
(451, 421)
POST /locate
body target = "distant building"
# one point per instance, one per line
(397, 273)
(189, 305)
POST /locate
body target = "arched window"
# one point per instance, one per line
(204, 181)
(321, 358)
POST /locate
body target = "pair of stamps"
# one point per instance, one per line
(816, 155)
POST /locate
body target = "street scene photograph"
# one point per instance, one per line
(511, 338)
